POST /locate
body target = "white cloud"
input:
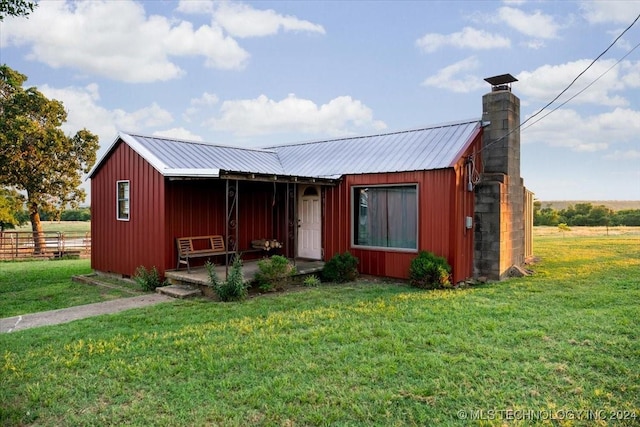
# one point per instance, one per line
(198, 104)
(469, 37)
(219, 51)
(241, 20)
(624, 155)
(179, 133)
(537, 24)
(567, 128)
(547, 81)
(145, 118)
(116, 39)
(195, 6)
(83, 111)
(620, 12)
(340, 116)
(449, 77)
(535, 44)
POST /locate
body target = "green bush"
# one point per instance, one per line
(232, 289)
(311, 281)
(274, 272)
(341, 268)
(148, 280)
(428, 271)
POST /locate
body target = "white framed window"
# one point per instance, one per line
(122, 197)
(385, 216)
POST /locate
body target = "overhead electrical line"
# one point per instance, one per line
(569, 86)
(582, 90)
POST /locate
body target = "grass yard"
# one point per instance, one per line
(548, 346)
(41, 285)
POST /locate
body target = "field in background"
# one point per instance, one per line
(615, 205)
(551, 231)
(60, 226)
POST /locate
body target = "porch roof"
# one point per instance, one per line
(434, 147)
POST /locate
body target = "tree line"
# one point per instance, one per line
(584, 214)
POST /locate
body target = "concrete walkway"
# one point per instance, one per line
(64, 315)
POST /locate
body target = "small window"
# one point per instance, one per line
(386, 216)
(123, 200)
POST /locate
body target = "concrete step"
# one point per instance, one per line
(179, 291)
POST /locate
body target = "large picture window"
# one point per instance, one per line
(386, 216)
(122, 193)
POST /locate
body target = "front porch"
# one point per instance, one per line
(199, 277)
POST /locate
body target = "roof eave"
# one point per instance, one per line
(467, 144)
(191, 173)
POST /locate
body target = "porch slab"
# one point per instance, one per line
(199, 277)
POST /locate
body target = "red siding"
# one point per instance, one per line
(121, 246)
(443, 204)
(163, 209)
(197, 207)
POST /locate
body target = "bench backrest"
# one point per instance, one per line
(217, 243)
(185, 244)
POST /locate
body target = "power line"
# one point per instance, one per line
(585, 88)
(569, 86)
(583, 71)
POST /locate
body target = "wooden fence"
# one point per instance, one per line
(22, 244)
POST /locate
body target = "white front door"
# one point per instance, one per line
(309, 223)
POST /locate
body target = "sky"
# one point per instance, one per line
(255, 74)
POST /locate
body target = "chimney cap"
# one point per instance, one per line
(501, 82)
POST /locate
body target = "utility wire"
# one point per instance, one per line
(565, 89)
(585, 88)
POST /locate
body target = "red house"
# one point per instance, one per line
(381, 197)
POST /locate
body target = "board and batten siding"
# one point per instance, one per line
(120, 247)
(198, 208)
(443, 205)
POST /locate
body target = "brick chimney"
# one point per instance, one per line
(499, 213)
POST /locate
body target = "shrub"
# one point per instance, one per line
(148, 280)
(428, 271)
(232, 289)
(273, 272)
(341, 268)
(311, 281)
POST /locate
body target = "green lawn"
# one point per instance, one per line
(562, 341)
(31, 286)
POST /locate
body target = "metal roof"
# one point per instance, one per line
(433, 147)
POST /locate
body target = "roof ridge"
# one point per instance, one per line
(397, 132)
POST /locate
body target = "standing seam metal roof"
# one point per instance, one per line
(428, 148)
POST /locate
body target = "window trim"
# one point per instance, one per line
(352, 192)
(119, 217)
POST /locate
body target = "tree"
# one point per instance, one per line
(11, 203)
(16, 8)
(36, 157)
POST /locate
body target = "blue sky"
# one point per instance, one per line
(263, 73)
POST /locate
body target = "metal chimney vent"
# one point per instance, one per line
(501, 82)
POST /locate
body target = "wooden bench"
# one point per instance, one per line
(198, 247)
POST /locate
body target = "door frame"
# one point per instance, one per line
(301, 190)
